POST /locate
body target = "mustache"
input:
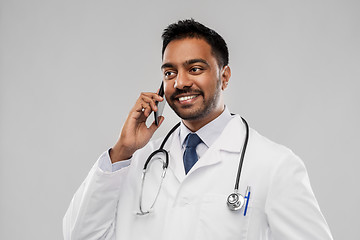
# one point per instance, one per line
(185, 91)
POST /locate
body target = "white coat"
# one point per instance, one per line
(282, 205)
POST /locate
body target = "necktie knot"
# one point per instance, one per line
(192, 140)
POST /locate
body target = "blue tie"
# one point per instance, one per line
(190, 156)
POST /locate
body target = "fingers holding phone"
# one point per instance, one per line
(146, 104)
(135, 134)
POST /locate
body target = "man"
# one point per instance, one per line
(191, 203)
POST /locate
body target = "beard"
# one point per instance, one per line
(190, 112)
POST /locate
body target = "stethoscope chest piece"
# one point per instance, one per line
(235, 201)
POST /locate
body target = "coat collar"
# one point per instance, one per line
(233, 136)
(230, 140)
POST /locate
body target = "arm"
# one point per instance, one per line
(291, 207)
(92, 211)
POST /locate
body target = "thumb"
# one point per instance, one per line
(153, 126)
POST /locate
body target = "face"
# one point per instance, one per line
(193, 80)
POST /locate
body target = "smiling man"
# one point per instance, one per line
(187, 191)
(194, 81)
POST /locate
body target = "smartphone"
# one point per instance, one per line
(160, 105)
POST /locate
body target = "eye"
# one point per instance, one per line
(195, 69)
(169, 74)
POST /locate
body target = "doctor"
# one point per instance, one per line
(191, 203)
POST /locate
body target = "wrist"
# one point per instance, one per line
(119, 154)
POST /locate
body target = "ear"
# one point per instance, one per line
(225, 77)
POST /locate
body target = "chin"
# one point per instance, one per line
(192, 114)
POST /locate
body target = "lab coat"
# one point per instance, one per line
(282, 205)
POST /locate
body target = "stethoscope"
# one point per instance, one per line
(235, 201)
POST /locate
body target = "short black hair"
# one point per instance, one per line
(190, 28)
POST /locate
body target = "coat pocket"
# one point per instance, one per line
(217, 221)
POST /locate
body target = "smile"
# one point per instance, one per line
(185, 98)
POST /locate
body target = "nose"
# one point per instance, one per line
(182, 81)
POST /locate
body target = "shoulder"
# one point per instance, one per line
(272, 168)
(151, 146)
(271, 154)
(272, 148)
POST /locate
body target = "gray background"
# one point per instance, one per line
(71, 70)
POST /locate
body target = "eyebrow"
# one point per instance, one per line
(167, 65)
(186, 63)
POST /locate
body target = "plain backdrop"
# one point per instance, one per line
(71, 71)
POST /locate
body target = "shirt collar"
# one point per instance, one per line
(210, 132)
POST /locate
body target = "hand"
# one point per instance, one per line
(135, 134)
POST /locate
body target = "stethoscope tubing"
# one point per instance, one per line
(232, 205)
(166, 164)
(161, 149)
(242, 155)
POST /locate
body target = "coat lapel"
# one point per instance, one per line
(176, 160)
(230, 140)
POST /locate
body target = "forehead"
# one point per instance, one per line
(181, 50)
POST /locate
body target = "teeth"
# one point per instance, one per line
(186, 98)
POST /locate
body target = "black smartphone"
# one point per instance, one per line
(160, 105)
